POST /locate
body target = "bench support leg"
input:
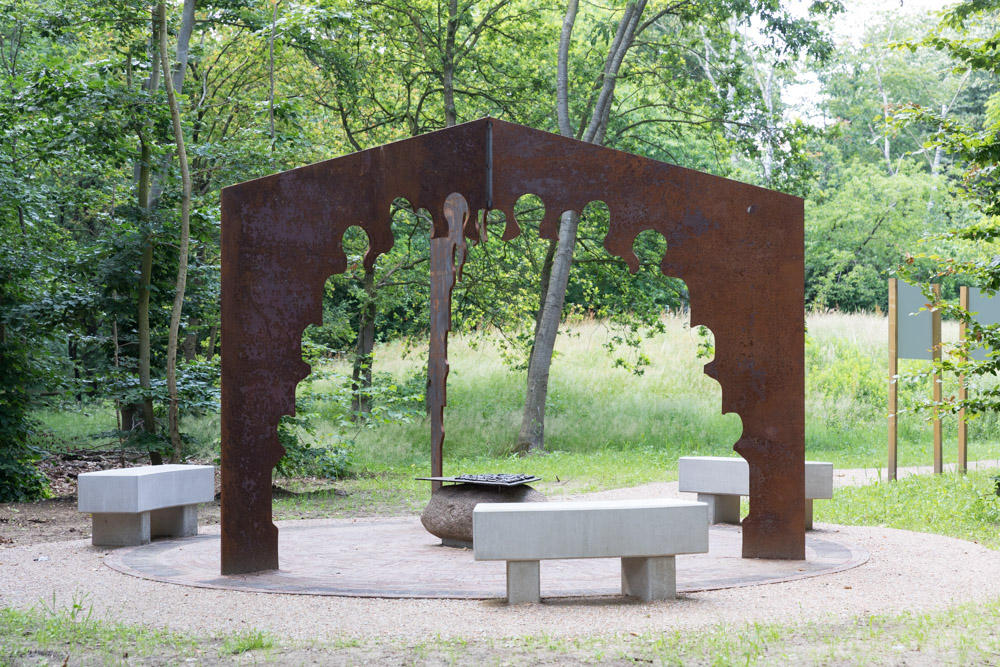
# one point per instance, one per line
(809, 514)
(721, 508)
(650, 578)
(523, 582)
(120, 530)
(181, 521)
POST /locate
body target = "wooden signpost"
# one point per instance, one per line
(918, 336)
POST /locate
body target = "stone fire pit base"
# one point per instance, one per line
(449, 513)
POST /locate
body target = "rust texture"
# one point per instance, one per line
(739, 248)
(447, 255)
(282, 237)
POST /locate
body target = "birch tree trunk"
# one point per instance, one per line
(531, 437)
(175, 313)
(148, 191)
(361, 376)
(146, 260)
(448, 66)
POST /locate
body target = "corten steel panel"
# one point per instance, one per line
(447, 256)
(281, 239)
(739, 248)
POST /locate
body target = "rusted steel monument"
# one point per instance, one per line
(738, 247)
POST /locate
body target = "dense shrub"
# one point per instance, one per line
(20, 480)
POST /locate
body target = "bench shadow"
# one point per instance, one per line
(596, 601)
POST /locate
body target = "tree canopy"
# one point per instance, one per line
(102, 178)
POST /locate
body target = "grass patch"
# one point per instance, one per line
(251, 640)
(396, 491)
(963, 506)
(961, 635)
(34, 636)
(674, 408)
(591, 405)
(68, 635)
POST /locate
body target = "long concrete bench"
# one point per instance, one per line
(131, 505)
(645, 534)
(719, 482)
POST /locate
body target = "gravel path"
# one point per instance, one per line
(906, 572)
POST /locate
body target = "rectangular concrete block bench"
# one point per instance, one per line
(131, 505)
(719, 482)
(645, 534)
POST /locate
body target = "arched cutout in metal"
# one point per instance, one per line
(739, 249)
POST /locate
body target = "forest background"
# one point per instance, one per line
(120, 123)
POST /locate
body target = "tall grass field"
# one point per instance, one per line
(603, 418)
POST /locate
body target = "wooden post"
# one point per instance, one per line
(893, 371)
(963, 392)
(936, 381)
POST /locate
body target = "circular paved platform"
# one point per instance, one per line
(397, 558)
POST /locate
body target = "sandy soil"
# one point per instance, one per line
(907, 571)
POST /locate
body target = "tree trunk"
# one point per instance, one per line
(76, 371)
(270, 71)
(448, 66)
(361, 375)
(146, 260)
(177, 78)
(543, 292)
(190, 344)
(175, 313)
(213, 337)
(183, 44)
(532, 434)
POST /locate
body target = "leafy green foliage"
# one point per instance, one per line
(860, 225)
(967, 254)
(302, 457)
(20, 376)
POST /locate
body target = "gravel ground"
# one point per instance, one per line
(906, 572)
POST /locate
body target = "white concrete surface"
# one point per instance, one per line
(719, 482)
(131, 505)
(524, 583)
(645, 534)
(650, 578)
(120, 530)
(132, 490)
(722, 508)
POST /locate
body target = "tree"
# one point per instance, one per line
(588, 115)
(20, 375)
(862, 221)
(973, 47)
(865, 82)
(403, 69)
(559, 258)
(175, 314)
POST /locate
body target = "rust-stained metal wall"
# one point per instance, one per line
(739, 248)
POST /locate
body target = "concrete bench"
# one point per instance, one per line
(719, 482)
(645, 534)
(131, 505)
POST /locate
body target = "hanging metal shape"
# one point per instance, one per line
(447, 255)
(739, 248)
